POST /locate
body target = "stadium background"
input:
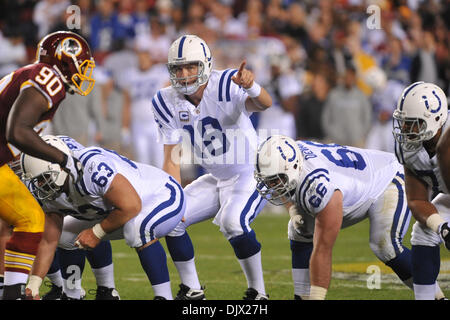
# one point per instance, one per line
(316, 58)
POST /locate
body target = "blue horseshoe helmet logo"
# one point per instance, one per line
(427, 104)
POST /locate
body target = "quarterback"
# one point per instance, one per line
(115, 198)
(29, 97)
(327, 187)
(210, 110)
(420, 120)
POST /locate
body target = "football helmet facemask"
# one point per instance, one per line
(189, 51)
(421, 111)
(69, 54)
(278, 165)
(43, 178)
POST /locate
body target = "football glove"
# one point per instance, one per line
(73, 167)
(444, 232)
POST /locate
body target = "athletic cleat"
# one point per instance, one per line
(104, 293)
(297, 297)
(159, 298)
(186, 293)
(55, 292)
(65, 297)
(252, 294)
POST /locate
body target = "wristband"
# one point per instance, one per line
(34, 283)
(317, 293)
(434, 221)
(254, 91)
(98, 231)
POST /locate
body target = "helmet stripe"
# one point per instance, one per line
(407, 91)
(180, 47)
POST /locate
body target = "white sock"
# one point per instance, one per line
(252, 268)
(105, 276)
(301, 281)
(72, 288)
(439, 294)
(188, 273)
(163, 290)
(12, 278)
(56, 278)
(424, 291)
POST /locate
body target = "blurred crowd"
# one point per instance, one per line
(335, 69)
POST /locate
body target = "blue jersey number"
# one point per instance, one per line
(341, 156)
(214, 141)
(100, 177)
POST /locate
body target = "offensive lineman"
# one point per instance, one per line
(29, 97)
(420, 120)
(210, 109)
(115, 199)
(327, 187)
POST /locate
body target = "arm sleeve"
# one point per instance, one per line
(99, 171)
(168, 133)
(315, 192)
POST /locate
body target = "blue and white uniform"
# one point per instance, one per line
(163, 201)
(223, 141)
(427, 169)
(142, 86)
(372, 185)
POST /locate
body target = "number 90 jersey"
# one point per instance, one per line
(361, 175)
(219, 131)
(38, 75)
(86, 199)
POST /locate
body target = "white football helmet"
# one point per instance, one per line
(189, 49)
(279, 162)
(421, 111)
(43, 178)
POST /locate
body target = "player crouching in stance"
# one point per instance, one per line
(420, 120)
(329, 187)
(114, 199)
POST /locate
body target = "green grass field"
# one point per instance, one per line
(220, 272)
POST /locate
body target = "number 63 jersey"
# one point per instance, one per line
(85, 200)
(362, 175)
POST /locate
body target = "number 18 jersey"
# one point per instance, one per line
(361, 175)
(219, 130)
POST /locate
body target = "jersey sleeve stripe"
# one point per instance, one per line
(155, 106)
(31, 83)
(228, 93)
(89, 153)
(163, 104)
(222, 77)
(308, 178)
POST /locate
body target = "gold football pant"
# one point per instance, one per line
(19, 209)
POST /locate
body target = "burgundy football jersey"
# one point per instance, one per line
(38, 75)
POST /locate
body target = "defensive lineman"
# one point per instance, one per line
(329, 187)
(116, 199)
(211, 109)
(420, 120)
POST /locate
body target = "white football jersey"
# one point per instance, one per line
(426, 168)
(361, 175)
(142, 86)
(85, 200)
(221, 135)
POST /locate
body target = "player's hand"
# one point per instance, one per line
(444, 232)
(87, 240)
(73, 167)
(243, 77)
(29, 295)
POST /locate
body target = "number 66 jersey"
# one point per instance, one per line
(361, 175)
